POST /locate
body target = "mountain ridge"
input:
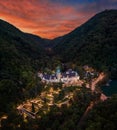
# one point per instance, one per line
(93, 43)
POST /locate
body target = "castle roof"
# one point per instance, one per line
(66, 74)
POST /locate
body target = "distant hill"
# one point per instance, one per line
(93, 43)
(14, 36)
(42, 41)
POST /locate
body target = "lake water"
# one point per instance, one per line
(111, 89)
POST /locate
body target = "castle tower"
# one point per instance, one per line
(58, 73)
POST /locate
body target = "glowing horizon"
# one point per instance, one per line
(51, 18)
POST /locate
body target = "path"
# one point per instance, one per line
(89, 108)
(94, 82)
(62, 103)
(21, 109)
(83, 118)
(103, 97)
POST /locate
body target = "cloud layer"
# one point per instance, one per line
(51, 18)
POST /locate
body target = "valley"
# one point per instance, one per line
(56, 84)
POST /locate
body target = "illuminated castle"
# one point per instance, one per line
(68, 76)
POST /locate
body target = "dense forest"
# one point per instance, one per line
(93, 43)
(22, 55)
(103, 116)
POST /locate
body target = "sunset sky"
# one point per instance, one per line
(51, 18)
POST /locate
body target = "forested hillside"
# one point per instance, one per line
(103, 116)
(21, 55)
(93, 43)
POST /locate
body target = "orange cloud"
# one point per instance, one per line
(43, 17)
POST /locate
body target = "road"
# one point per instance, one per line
(94, 83)
(84, 116)
(89, 108)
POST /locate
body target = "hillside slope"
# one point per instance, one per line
(92, 43)
(21, 55)
(17, 47)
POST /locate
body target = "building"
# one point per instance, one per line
(68, 76)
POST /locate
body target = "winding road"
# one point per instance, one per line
(94, 82)
(92, 103)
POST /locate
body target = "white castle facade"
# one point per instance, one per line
(68, 76)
